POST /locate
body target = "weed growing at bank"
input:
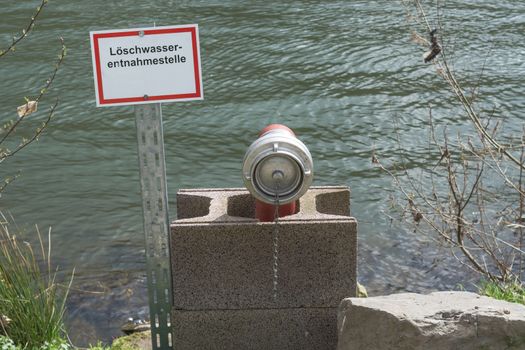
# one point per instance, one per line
(8, 344)
(513, 292)
(31, 300)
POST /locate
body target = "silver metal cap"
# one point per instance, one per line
(277, 165)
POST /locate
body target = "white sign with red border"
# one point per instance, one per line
(146, 65)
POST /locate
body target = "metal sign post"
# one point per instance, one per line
(143, 67)
(156, 221)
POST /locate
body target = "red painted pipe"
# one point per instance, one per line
(266, 212)
(276, 126)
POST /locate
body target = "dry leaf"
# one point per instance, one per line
(418, 39)
(27, 109)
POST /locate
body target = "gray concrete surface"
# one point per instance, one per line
(222, 267)
(437, 321)
(268, 329)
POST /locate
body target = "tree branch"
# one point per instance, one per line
(6, 154)
(25, 31)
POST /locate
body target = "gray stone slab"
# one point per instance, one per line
(440, 320)
(279, 329)
(222, 260)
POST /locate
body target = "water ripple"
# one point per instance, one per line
(344, 75)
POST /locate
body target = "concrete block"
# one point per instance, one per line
(222, 266)
(283, 329)
(222, 261)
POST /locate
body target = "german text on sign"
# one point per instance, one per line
(146, 65)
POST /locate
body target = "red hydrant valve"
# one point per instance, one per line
(277, 170)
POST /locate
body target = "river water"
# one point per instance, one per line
(340, 73)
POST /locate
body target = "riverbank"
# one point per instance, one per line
(137, 341)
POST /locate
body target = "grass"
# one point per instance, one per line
(8, 344)
(513, 292)
(32, 299)
(130, 342)
(99, 346)
(29, 296)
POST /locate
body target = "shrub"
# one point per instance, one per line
(513, 292)
(31, 298)
(7, 344)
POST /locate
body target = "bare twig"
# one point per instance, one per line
(6, 153)
(25, 32)
(450, 78)
(442, 199)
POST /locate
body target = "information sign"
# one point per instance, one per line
(146, 65)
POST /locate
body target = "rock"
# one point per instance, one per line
(437, 321)
(135, 325)
(136, 341)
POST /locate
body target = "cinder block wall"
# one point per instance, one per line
(222, 265)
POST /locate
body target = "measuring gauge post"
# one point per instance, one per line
(277, 166)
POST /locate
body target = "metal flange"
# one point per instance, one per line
(277, 166)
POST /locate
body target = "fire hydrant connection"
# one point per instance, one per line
(277, 170)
